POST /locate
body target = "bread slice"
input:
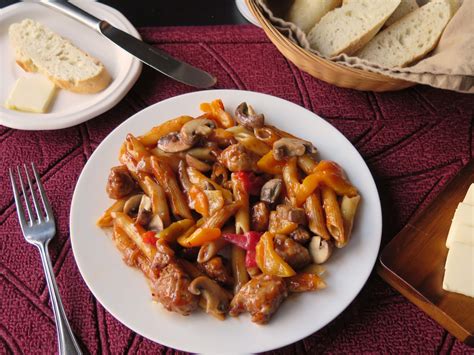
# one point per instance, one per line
(306, 13)
(348, 28)
(405, 7)
(410, 38)
(37, 48)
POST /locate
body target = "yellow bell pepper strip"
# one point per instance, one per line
(330, 174)
(268, 260)
(199, 237)
(199, 201)
(278, 225)
(174, 230)
(216, 112)
(268, 164)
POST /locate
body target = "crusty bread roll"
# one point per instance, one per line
(410, 38)
(348, 28)
(39, 49)
(306, 13)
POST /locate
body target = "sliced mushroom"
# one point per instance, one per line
(292, 214)
(172, 143)
(216, 299)
(199, 127)
(156, 224)
(132, 204)
(246, 116)
(204, 153)
(197, 164)
(292, 147)
(144, 211)
(271, 190)
(320, 249)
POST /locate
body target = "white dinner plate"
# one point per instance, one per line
(124, 292)
(69, 108)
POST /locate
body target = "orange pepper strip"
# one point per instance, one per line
(216, 112)
(199, 200)
(330, 174)
(268, 164)
(199, 237)
(268, 260)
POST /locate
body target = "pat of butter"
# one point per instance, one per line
(460, 233)
(464, 215)
(459, 271)
(469, 199)
(32, 93)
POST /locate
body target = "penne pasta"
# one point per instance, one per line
(135, 148)
(199, 179)
(106, 219)
(334, 221)
(152, 136)
(132, 255)
(134, 231)
(209, 250)
(315, 214)
(290, 177)
(239, 270)
(349, 207)
(254, 145)
(307, 164)
(172, 159)
(218, 219)
(241, 196)
(166, 178)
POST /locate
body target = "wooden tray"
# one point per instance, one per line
(413, 262)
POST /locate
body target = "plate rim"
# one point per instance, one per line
(8, 117)
(261, 348)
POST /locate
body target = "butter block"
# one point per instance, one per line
(461, 233)
(459, 271)
(464, 215)
(32, 93)
(469, 198)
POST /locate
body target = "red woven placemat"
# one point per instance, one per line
(414, 142)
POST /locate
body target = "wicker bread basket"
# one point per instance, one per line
(324, 69)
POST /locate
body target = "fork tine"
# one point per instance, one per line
(44, 197)
(33, 196)
(19, 207)
(25, 196)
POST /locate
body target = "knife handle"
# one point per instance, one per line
(75, 12)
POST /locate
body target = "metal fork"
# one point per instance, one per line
(39, 232)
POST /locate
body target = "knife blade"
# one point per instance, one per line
(155, 58)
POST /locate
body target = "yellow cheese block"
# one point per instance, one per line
(469, 199)
(32, 93)
(459, 270)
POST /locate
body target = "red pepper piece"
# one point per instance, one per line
(149, 237)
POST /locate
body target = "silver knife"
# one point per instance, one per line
(155, 58)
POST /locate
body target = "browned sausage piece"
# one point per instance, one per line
(293, 253)
(217, 270)
(300, 235)
(236, 158)
(260, 215)
(260, 297)
(171, 290)
(120, 182)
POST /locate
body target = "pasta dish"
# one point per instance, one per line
(227, 213)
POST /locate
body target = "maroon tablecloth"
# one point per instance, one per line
(414, 142)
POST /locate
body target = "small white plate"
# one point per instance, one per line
(124, 292)
(245, 12)
(69, 108)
